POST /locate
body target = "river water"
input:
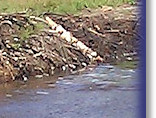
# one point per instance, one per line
(102, 91)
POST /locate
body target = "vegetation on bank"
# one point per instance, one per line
(58, 6)
(37, 7)
(127, 64)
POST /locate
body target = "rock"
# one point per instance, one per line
(25, 78)
(94, 80)
(38, 76)
(52, 85)
(16, 39)
(15, 58)
(45, 74)
(8, 95)
(42, 93)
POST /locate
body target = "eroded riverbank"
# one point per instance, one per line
(28, 48)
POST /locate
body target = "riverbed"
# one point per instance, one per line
(102, 91)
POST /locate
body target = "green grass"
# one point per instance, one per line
(25, 33)
(57, 6)
(128, 64)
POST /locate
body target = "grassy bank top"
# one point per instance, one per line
(57, 6)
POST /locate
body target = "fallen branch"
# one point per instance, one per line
(96, 33)
(66, 35)
(112, 31)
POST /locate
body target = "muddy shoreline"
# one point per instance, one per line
(29, 50)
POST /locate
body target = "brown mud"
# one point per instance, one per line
(29, 50)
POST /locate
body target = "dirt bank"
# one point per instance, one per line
(113, 33)
(26, 48)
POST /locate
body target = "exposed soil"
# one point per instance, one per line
(113, 33)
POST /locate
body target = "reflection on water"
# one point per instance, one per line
(11, 89)
(101, 77)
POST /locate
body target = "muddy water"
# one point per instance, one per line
(102, 91)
